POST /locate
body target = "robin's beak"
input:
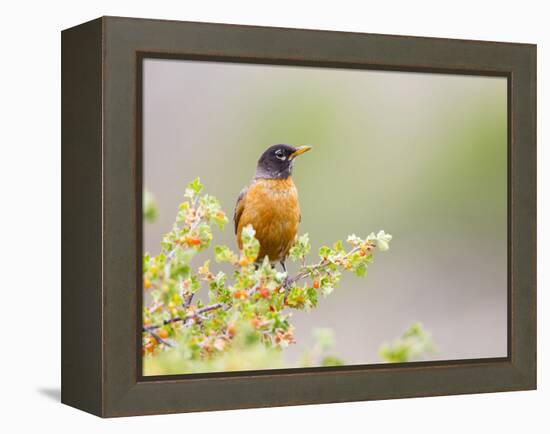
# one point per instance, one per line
(299, 151)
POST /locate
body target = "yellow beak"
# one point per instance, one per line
(299, 151)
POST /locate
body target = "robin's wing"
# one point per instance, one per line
(239, 207)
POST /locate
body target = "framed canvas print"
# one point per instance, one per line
(260, 217)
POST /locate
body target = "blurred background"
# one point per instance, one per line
(421, 156)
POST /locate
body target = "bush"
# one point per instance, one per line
(245, 321)
(413, 345)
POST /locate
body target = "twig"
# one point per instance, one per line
(172, 253)
(189, 300)
(303, 274)
(161, 340)
(252, 290)
(185, 318)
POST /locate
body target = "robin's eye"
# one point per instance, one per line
(280, 154)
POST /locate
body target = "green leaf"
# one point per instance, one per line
(251, 246)
(179, 269)
(195, 284)
(193, 188)
(146, 261)
(338, 246)
(325, 252)
(413, 344)
(211, 210)
(150, 208)
(224, 254)
(326, 284)
(360, 269)
(301, 248)
(311, 294)
(332, 361)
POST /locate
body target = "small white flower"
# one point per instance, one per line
(353, 239)
(383, 241)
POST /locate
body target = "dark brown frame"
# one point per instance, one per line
(101, 216)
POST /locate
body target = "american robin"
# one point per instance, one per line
(270, 203)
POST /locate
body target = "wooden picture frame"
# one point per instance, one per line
(101, 216)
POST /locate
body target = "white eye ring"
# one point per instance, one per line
(280, 155)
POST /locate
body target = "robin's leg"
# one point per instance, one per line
(286, 282)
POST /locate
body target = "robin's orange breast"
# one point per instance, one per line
(271, 206)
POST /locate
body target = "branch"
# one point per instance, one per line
(254, 288)
(184, 319)
(161, 340)
(287, 284)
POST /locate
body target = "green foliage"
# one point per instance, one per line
(318, 354)
(150, 209)
(413, 345)
(301, 248)
(245, 320)
(246, 352)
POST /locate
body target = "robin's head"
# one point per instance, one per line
(277, 161)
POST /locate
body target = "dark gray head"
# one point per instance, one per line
(277, 161)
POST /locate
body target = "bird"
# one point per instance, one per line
(270, 204)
